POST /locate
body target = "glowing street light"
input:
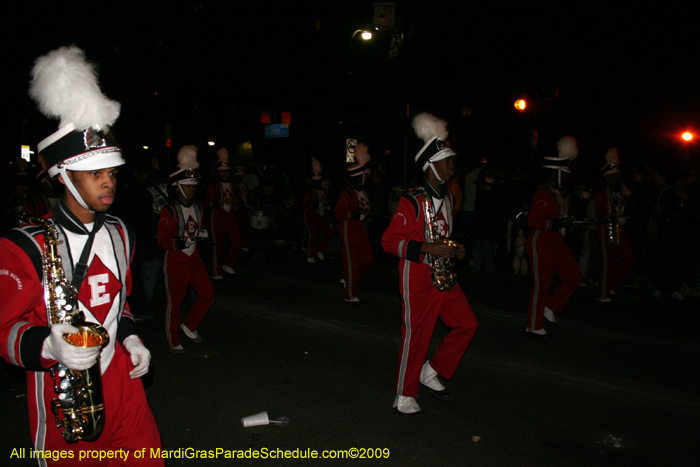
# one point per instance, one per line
(687, 136)
(520, 104)
(366, 35)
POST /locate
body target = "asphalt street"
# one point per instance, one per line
(617, 385)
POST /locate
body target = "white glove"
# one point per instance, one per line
(140, 356)
(73, 357)
(189, 243)
(203, 233)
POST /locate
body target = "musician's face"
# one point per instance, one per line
(225, 174)
(613, 179)
(187, 193)
(97, 187)
(445, 168)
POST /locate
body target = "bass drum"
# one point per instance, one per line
(259, 220)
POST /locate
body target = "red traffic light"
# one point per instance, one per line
(520, 104)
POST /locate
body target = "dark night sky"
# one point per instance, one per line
(625, 76)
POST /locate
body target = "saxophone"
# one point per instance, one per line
(79, 392)
(613, 230)
(441, 269)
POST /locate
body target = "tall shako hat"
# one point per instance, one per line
(362, 156)
(316, 169)
(612, 162)
(64, 86)
(433, 131)
(187, 162)
(568, 151)
(223, 163)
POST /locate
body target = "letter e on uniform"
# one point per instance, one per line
(98, 289)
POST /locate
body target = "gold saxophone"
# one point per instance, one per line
(441, 268)
(613, 230)
(79, 392)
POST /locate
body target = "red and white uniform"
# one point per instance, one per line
(616, 261)
(548, 255)
(422, 303)
(357, 253)
(315, 203)
(102, 298)
(242, 214)
(222, 220)
(183, 267)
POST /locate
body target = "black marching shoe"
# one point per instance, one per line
(540, 334)
(549, 325)
(420, 415)
(443, 396)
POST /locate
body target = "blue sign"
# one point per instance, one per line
(280, 130)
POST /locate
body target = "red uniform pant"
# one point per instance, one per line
(315, 225)
(223, 223)
(549, 255)
(615, 263)
(357, 254)
(180, 274)
(422, 305)
(129, 423)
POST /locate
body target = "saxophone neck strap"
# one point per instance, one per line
(81, 268)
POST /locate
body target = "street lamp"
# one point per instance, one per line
(366, 35)
(687, 136)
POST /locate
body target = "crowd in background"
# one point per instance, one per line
(662, 210)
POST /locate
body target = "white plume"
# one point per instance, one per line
(315, 165)
(223, 155)
(611, 157)
(64, 85)
(362, 154)
(428, 126)
(567, 147)
(187, 157)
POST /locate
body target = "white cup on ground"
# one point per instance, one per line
(255, 420)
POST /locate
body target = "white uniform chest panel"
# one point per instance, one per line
(443, 226)
(99, 296)
(226, 193)
(191, 226)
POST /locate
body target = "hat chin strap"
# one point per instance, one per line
(432, 167)
(179, 187)
(73, 190)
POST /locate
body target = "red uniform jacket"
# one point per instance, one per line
(173, 226)
(407, 232)
(547, 205)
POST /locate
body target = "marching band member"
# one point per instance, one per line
(616, 249)
(241, 208)
(548, 254)
(351, 209)
(408, 238)
(315, 204)
(95, 251)
(221, 203)
(181, 225)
